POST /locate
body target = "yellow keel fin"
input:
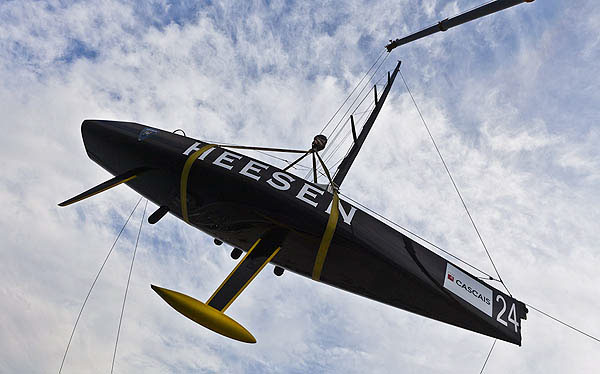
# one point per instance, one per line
(258, 256)
(205, 315)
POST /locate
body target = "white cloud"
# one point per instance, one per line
(511, 101)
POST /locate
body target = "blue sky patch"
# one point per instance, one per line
(77, 49)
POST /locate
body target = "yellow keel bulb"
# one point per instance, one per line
(205, 315)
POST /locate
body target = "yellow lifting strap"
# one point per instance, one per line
(331, 223)
(330, 229)
(185, 173)
(194, 156)
(327, 236)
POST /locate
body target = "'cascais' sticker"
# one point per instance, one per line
(468, 289)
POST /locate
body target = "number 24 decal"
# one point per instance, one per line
(512, 314)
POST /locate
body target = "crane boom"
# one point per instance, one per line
(445, 24)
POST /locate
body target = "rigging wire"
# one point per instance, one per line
(295, 166)
(479, 235)
(360, 93)
(357, 113)
(331, 136)
(488, 356)
(350, 95)
(337, 147)
(490, 278)
(337, 130)
(127, 287)
(358, 123)
(94, 283)
(564, 323)
(454, 184)
(417, 236)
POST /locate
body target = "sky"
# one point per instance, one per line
(511, 99)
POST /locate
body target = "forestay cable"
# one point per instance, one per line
(359, 94)
(94, 283)
(127, 287)
(454, 184)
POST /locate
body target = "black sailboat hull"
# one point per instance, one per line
(237, 199)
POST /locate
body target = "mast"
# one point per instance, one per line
(358, 141)
(445, 24)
